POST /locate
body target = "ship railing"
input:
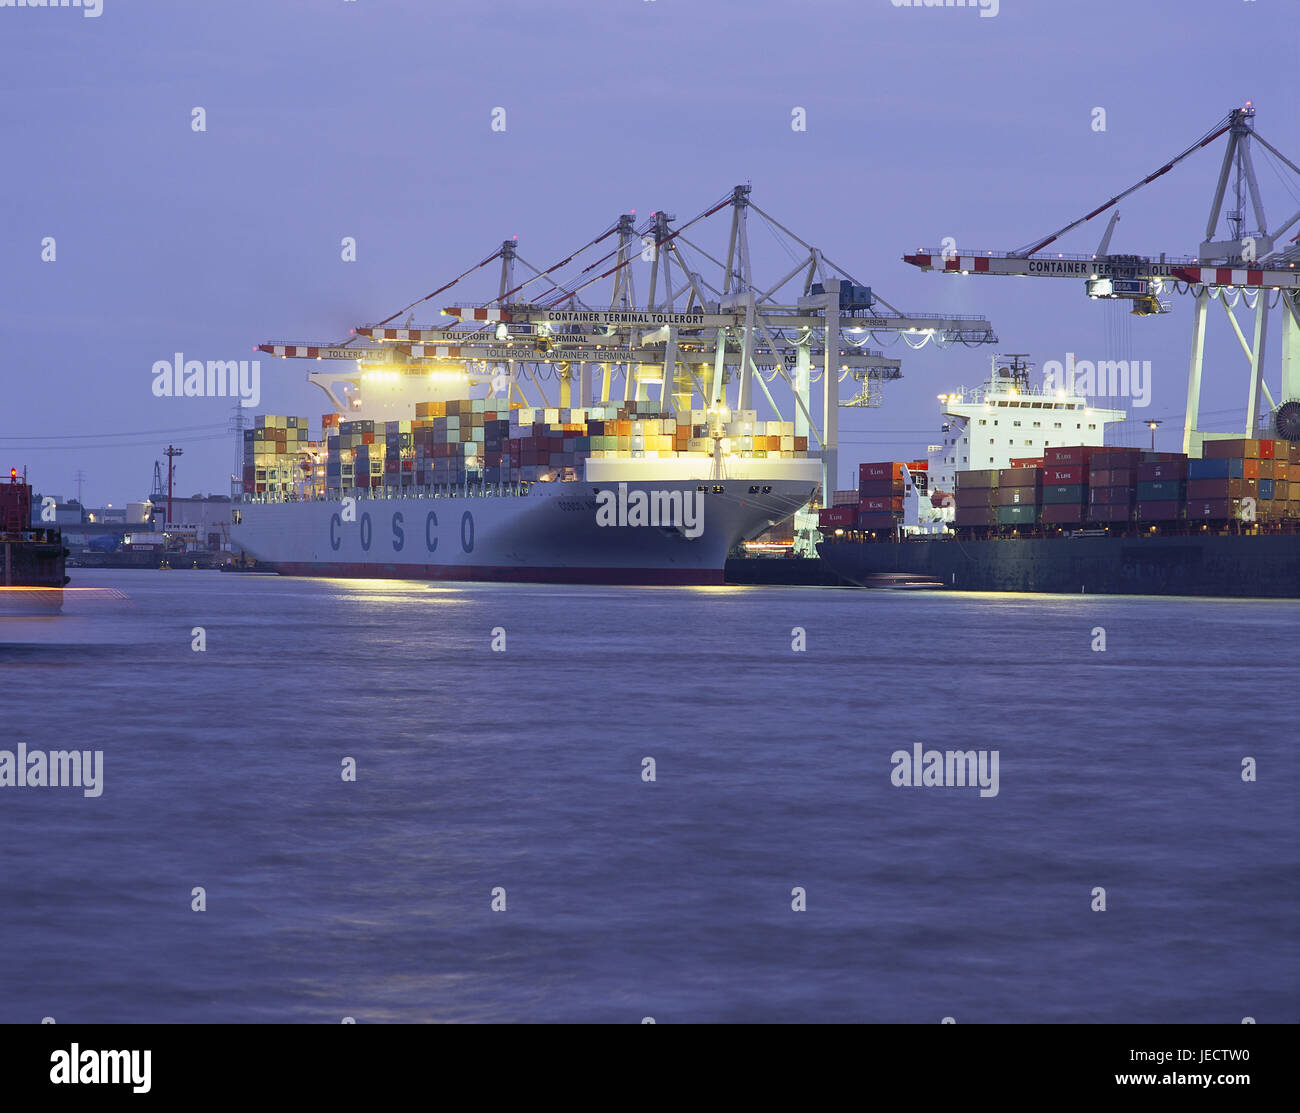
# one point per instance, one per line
(442, 491)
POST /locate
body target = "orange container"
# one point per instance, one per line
(1250, 468)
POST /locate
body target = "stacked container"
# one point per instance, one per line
(1244, 468)
(1112, 491)
(278, 457)
(976, 498)
(1161, 487)
(1065, 485)
(1019, 495)
(880, 495)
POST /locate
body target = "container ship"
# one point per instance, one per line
(471, 489)
(1078, 517)
(543, 437)
(33, 559)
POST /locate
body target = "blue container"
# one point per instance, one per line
(1266, 489)
(1215, 469)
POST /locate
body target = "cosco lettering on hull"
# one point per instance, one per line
(365, 531)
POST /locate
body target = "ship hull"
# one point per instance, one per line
(32, 573)
(1244, 566)
(551, 535)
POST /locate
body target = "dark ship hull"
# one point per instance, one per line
(1242, 565)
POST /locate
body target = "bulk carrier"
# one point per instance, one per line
(544, 437)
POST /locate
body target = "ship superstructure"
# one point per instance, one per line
(1009, 418)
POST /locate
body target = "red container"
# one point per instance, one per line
(877, 521)
(1242, 448)
(1110, 496)
(1063, 513)
(1111, 456)
(1099, 478)
(1214, 510)
(1250, 468)
(1162, 469)
(1027, 462)
(1112, 512)
(887, 470)
(880, 506)
(975, 516)
(879, 488)
(1065, 475)
(1167, 510)
(1267, 450)
(837, 517)
(1065, 457)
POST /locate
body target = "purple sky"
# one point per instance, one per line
(330, 118)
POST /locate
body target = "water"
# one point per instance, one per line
(624, 899)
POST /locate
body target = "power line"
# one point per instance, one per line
(101, 436)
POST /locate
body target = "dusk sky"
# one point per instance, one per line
(372, 119)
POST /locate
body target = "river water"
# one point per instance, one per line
(521, 772)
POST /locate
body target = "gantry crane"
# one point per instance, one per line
(711, 338)
(1248, 264)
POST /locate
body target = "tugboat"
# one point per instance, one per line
(31, 560)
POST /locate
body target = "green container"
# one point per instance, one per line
(1161, 490)
(1024, 514)
(1075, 495)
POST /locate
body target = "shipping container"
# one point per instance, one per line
(880, 506)
(1215, 468)
(1161, 490)
(1111, 496)
(1062, 494)
(1111, 513)
(1024, 514)
(1162, 469)
(975, 516)
(877, 521)
(1019, 477)
(977, 480)
(1063, 513)
(1067, 456)
(1165, 510)
(1064, 474)
(1017, 496)
(1214, 509)
(880, 488)
(837, 517)
(874, 472)
(975, 496)
(1243, 448)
